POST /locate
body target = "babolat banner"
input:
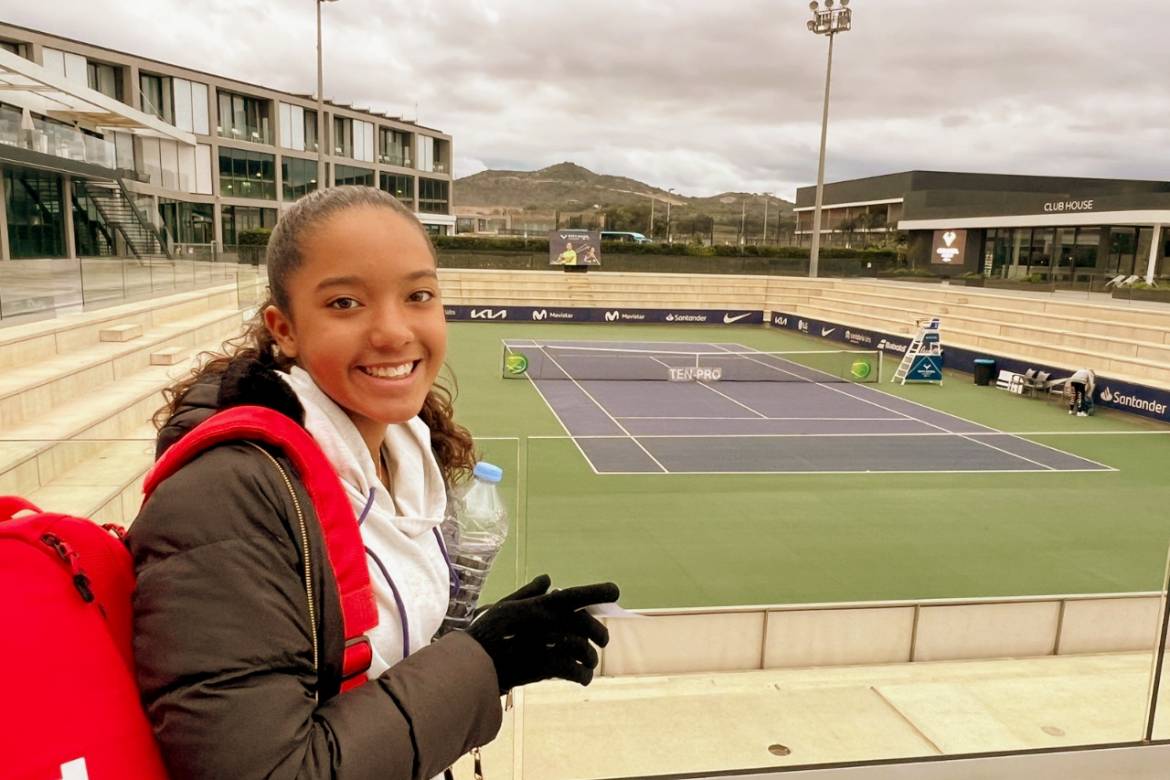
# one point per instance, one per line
(603, 315)
(1111, 393)
(858, 337)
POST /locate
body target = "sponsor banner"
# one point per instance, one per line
(949, 247)
(603, 315)
(856, 337)
(925, 368)
(1150, 402)
(574, 247)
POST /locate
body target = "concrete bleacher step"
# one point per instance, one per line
(28, 344)
(120, 333)
(87, 450)
(168, 356)
(32, 391)
(1094, 321)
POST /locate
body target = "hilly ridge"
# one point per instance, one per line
(570, 187)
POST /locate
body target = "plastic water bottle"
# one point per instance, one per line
(480, 528)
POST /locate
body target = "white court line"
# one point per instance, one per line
(556, 416)
(857, 473)
(925, 422)
(605, 411)
(875, 389)
(831, 419)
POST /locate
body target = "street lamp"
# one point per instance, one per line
(827, 21)
(766, 195)
(669, 238)
(321, 182)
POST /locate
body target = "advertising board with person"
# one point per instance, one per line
(574, 247)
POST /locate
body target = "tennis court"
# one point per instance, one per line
(641, 407)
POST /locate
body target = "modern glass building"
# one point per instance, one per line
(1048, 228)
(106, 153)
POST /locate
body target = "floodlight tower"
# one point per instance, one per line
(826, 21)
(321, 136)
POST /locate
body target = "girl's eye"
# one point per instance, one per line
(422, 296)
(344, 304)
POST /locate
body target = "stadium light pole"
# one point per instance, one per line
(669, 238)
(320, 102)
(826, 21)
(766, 196)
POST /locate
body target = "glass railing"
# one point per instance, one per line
(44, 288)
(791, 620)
(58, 140)
(797, 622)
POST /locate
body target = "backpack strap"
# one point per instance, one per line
(10, 505)
(343, 541)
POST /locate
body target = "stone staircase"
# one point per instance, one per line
(77, 395)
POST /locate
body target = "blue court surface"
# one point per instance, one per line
(676, 408)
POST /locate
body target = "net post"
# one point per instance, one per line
(881, 365)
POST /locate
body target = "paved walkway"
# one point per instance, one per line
(622, 727)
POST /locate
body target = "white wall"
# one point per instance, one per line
(67, 64)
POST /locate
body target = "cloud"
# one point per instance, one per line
(704, 97)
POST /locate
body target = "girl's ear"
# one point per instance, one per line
(280, 326)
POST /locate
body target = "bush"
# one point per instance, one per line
(253, 237)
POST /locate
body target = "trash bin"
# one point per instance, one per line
(984, 371)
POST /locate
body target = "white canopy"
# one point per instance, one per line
(28, 85)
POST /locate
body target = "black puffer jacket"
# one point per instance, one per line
(222, 635)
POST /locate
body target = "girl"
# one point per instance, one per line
(239, 678)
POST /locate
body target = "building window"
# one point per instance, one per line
(342, 136)
(298, 128)
(299, 177)
(188, 223)
(244, 118)
(239, 218)
(432, 196)
(246, 174)
(347, 174)
(394, 147)
(157, 98)
(105, 79)
(17, 48)
(401, 187)
(34, 201)
(310, 131)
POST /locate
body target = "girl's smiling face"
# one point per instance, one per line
(365, 319)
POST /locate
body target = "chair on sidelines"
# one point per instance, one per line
(1010, 381)
(1129, 280)
(1037, 384)
(1115, 281)
(1028, 380)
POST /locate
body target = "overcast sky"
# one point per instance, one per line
(701, 95)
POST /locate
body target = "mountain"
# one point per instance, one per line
(568, 187)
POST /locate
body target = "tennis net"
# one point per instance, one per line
(554, 361)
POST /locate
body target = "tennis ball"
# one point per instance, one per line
(515, 364)
(860, 369)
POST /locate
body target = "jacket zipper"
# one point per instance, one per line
(308, 564)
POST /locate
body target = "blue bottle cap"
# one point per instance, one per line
(488, 472)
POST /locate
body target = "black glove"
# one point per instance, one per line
(535, 635)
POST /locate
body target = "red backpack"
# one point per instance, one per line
(73, 708)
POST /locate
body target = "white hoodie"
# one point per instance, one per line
(402, 538)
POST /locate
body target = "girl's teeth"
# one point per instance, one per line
(388, 372)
